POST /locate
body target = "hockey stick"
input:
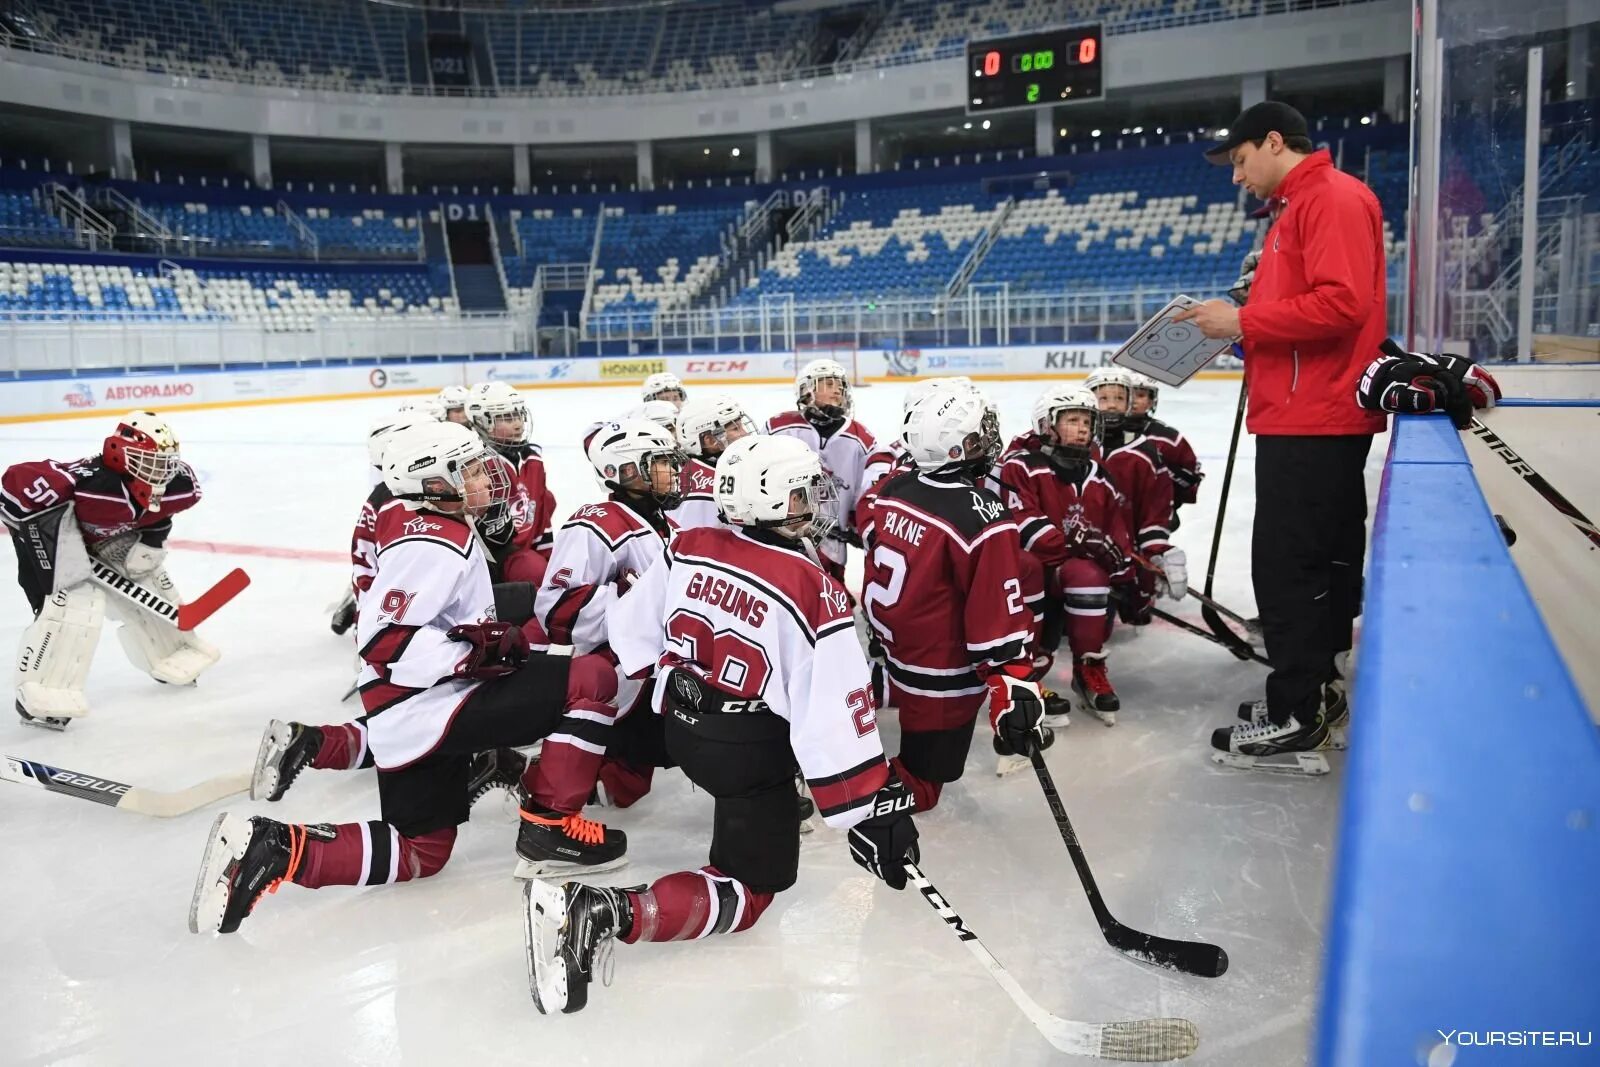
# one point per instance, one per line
(184, 616)
(1136, 1040)
(1224, 635)
(117, 794)
(1536, 481)
(1190, 957)
(1207, 611)
(1240, 650)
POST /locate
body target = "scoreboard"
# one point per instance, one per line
(1036, 69)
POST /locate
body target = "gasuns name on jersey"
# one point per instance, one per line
(724, 594)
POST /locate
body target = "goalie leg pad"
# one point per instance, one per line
(53, 661)
(157, 647)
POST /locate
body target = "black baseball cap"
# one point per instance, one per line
(1254, 123)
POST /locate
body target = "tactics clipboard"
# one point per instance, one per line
(1170, 352)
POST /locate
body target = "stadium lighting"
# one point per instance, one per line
(1366, 120)
(1094, 133)
(1222, 134)
(986, 124)
(736, 151)
(966, 125)
(1063, 131)
(1138, 129)
(707, 151)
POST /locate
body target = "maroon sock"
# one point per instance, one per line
(569, 763)
(371, 853)
(925, 793)
(344, 747)
(693, 904)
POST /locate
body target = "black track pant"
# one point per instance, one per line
(1307, 553)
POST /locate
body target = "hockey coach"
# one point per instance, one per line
(1312, 322)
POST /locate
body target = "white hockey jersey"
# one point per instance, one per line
(599, 552)
(761, 621)
(844, 459)
(432, 575)
(699, 508)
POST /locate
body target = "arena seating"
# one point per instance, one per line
(293, 296)
(24, 225)
(659, 259)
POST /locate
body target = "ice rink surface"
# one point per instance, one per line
(99, 966)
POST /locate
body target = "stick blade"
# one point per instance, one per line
(203, 607)
(1191, 957)
(1147, 1040)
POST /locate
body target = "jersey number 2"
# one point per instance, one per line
(736, 665)
(886, 578)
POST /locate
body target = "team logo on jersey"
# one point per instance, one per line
(420, 525)
(988, 510)
(700, 480)
(836, 598)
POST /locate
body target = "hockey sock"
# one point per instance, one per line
(569, 764)
(625, 782)
(1085, 596)
(693, 904)
(925, 793)
(371, 853)
(344, 747)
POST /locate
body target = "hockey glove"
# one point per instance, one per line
(1016, 712)
(143, 560)
(885, 841)
(498, 649)
(1173, 573)
(1186, 479)
(1087, 542)
(1135, 607)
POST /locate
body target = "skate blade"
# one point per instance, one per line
(1007, 765)
(1338, 739)
(230, 836)
(264, 778)
(1107, 717)
(1058, 722)
(1308, 764)
(543, 915)
(530, 869)
(45, 722)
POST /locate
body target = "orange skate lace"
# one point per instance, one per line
(297, 851)
(574, 826)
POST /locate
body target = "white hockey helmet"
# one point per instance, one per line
(664, 413)
(386, 426)
(1057, 399)
(714, 416)
(757, 478)
(923, 386)
(145, 450)
(428, 406)
(1144, 383)
(453, 398)
(499, 414)
(620, 451)
(444, 462)
(954, 428)
(1112, 377)
(805, 384)
(659, 386)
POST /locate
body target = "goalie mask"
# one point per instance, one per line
(144, 450)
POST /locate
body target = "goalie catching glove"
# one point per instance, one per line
(498, 649)
(1016, 712)
(885, 841)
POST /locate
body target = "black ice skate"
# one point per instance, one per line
(1335, 713)
(245, 858)
(550, 843)
(286, 749)
(1011, 760)
(1287, 748)
(344, 616)
(807, 806)
(498, 768)
(1093, 688)
(1056, 709)
(568, 931)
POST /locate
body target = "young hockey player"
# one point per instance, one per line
(442, 681)
(707, 425)
(823, 424)
(760, 670)
(520, 548)
(1174, 448)
(943, 592)
(1074, 522)
(1136, 469)
(117, 508)
(664, 386)
(452, 400)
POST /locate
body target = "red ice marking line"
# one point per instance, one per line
(320, 555)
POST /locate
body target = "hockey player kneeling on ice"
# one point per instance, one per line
(760, 669)
(664, 386)
(1074, 525)
(442, 680)
(822, 422)
(119, 506)
(944, 592)
(519, 538)
(452, 404)
(1177, 455)
(707, 425)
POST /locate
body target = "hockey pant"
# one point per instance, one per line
(935, 734)
(638, 746)
(1307, 552)
(745, 762)
(425, 801)
(524, 565)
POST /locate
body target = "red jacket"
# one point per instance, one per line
(1315, 316)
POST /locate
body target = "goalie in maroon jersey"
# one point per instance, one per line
(759, 670)
(1074, 522)
(944, 593)
(117, 508)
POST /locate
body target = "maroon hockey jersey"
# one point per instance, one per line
(1043, 501)
(98, 495)
(1177, 455)
(533, 506)
(942, 587)
(364, 541)
(1146, 487)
